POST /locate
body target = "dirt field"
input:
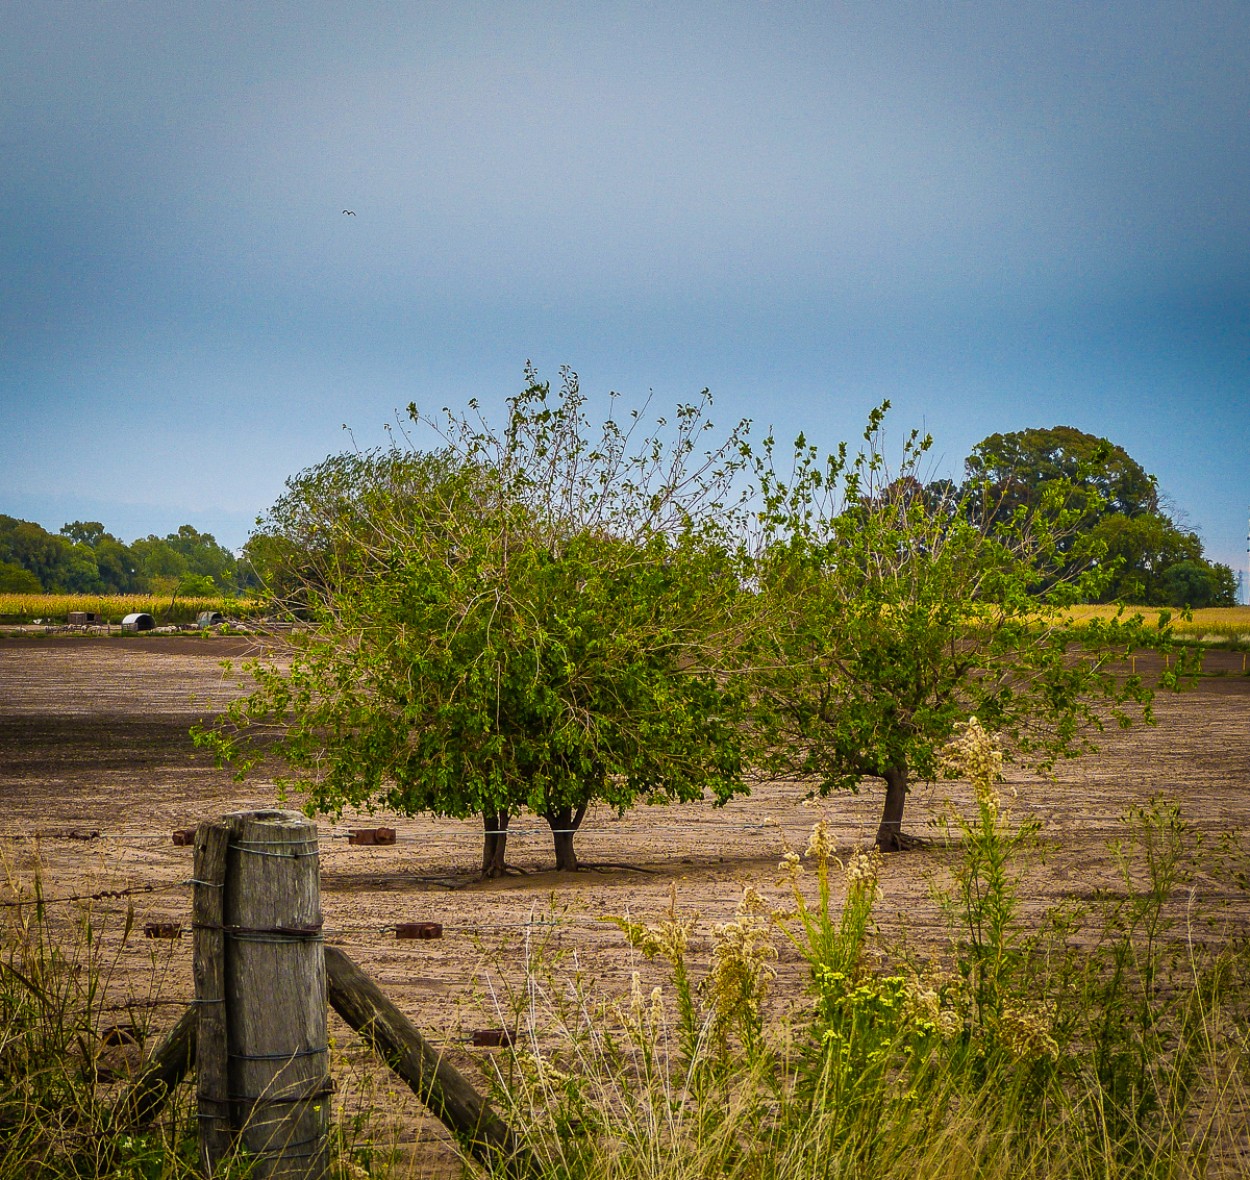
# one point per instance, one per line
(93, 739)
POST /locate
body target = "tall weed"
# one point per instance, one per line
(62, 1063)
(1106, 1041)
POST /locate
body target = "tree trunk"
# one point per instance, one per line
(495, 843)
(564, 822)
(890, 836)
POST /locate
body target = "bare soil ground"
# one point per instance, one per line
(94, 743)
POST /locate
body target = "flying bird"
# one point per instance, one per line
(350, 212)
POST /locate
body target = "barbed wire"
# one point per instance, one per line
(174, 929)
(177, 933)
(100, 895)
(92, 835)
(581, 927)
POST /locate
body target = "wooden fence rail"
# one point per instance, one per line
(440, 1086)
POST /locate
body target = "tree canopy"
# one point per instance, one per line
(546, 616)
(1124, 515)
(1021, 464)
(533, 617)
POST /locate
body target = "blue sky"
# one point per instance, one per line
(995, 215)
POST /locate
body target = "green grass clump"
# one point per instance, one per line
(64, 1057)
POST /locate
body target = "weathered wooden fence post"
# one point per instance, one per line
(276, 1051)
(209, 968)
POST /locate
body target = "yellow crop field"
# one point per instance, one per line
(1217, 624)
(112, 608)
(1214, 624)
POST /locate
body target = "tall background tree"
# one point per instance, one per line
(1151, 559)
(533, 617)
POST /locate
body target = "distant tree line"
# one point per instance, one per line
(1150, 558)
(85, 559)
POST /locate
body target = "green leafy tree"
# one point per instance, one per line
(84, 532)
(14, 579)
(1139, 551)
(1124, 515)
(113, 561)
(268, 556)
(1196, 584)
(336, 516)
(160, 565)
(163, 562)
(30, 545)
(1153, 562)
(1223, 585)
(196, 586)
(86, 559)
(889, 615)
(535, 617)
(116, 565)
(1018, 466)
(205, 558)
(77, 572)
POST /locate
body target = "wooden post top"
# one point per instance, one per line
(271, 816)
